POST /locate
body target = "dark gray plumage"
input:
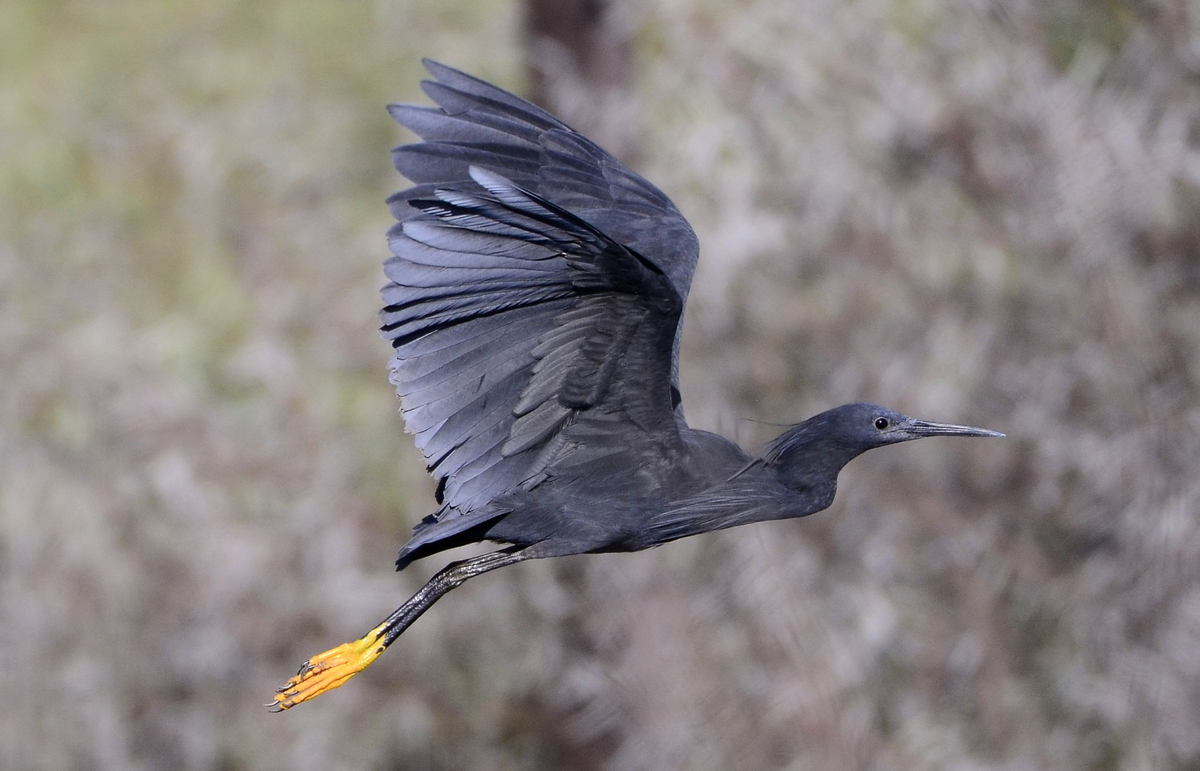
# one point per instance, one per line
(534, 304)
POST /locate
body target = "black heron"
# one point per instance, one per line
(535, 301)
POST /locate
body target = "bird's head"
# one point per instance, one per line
(867, 426)
(835, 437)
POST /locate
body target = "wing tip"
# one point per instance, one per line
(434, 67)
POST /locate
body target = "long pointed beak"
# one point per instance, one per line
(924, 428)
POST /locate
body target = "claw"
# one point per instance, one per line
(328, 670)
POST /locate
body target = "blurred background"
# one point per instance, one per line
(983, 212)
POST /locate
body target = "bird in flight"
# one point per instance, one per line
(534, 304)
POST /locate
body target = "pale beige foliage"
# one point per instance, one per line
(983, 212)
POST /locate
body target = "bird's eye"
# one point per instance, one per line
(881, 423)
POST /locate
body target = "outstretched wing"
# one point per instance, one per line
(536, 295)
(478, 124)
(525, 340)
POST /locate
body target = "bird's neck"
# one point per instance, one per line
(807, 463)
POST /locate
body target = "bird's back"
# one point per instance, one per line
(610, 504)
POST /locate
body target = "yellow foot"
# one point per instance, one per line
(328, 670)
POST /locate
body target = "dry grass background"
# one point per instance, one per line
(983, 212)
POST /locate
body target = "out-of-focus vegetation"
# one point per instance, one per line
(984, 212)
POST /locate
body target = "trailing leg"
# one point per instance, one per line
(330, 669)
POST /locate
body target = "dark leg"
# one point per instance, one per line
(330, 669)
